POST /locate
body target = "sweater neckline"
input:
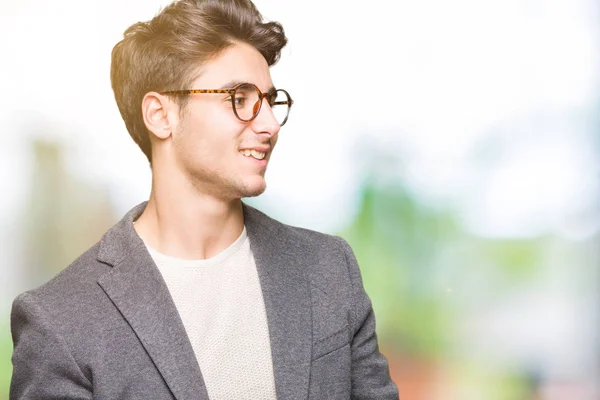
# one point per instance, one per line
(216, 259)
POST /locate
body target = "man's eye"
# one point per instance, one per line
(239, 101)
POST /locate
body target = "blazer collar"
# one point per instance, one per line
(138, 290)
(286, 293)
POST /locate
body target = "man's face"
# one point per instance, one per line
(209, 142)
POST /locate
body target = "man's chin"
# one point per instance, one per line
(254, 193)
(254, 188)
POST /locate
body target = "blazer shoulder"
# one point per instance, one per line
(326, 259)
(298, 235)
(71, 285)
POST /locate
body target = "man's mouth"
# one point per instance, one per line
(253, 153)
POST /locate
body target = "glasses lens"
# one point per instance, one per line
(280, 104)
(246, 101)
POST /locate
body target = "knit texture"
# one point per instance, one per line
(222, 309)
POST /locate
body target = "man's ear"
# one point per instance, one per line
(160, 114)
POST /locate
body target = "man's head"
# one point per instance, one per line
(199, 44)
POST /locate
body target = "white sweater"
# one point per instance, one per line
(221, 305)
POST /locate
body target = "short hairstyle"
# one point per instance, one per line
(166, 52)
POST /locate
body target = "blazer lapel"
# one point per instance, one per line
(138, 290)
(286, 293)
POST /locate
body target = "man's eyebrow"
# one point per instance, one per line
(231, 84)
(234, 83)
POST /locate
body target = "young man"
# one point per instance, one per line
(193, 294)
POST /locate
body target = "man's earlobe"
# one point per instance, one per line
(155, 109)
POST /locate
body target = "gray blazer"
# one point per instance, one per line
(106, 326)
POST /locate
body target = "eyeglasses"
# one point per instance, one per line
(247, 99)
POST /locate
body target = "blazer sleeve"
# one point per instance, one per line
(43, 366)
(370, 371)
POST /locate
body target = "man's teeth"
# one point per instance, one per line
(256, 154)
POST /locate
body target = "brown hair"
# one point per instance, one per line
(165, 53)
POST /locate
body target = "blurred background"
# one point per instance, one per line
(455, 145)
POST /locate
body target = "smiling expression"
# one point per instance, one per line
(221, 155)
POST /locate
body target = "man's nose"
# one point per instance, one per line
(265, 121)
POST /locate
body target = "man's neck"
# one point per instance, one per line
(193, 229)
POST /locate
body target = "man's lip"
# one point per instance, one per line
(259, 149)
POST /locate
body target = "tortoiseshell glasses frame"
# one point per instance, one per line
(271, 97)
